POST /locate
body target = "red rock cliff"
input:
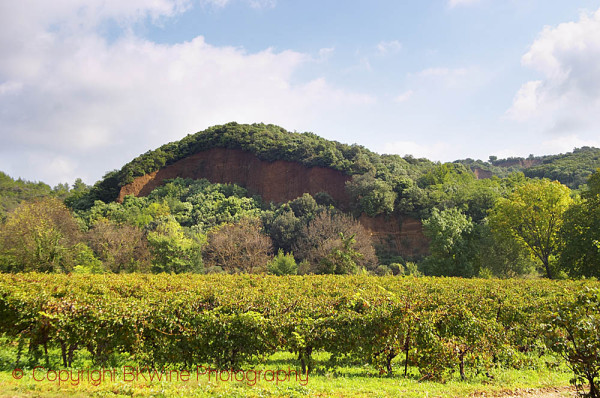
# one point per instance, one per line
(401, 235)
(481, 173)
(281, 181)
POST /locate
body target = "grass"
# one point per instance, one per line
(348, 381)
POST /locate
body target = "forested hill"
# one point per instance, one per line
(281, 182)
(15, 191)
(571, 168)
(268, 142)
(392, 182)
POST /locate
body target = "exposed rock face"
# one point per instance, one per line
(278, 181)
(281, 181)
(398, 235)
(520, 162)
(481, 173)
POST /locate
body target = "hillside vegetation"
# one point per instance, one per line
(571, 168)
(500, 226)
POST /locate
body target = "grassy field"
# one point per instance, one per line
(348, 381)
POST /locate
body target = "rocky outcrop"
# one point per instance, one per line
(281, 181)
(519, 162)
(481, 173)
(402, 235)
(278, 181)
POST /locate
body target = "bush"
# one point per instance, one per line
(283, 264)
(239, 248)
(573, 331)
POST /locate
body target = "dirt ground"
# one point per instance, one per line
(550, 392)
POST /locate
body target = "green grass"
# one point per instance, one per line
(348, 381)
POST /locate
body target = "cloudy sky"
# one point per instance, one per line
(86, 85)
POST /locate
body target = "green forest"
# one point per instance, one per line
(536, 221)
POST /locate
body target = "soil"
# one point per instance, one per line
(549, 392)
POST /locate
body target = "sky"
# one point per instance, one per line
(87, 85)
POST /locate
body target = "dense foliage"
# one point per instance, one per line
(532, 215)
(41, 236)
(438, 325)
(476, 227)
(571, 169)
(267, 142)
(580, 233)
(573, 331)
(183, 226)
(13, 192)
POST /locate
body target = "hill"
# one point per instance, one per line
(279, 166)
(268, 143)
(388, 194)
(571, 168)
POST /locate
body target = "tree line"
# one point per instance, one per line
(184, 226)
(528, 227)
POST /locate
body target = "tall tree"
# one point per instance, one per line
(172, 250)
(533, 215)
(40, 236)
(370, 195)
(335, 243)
(580, 233)
(238, 248)
(452, 250)
(121, 247)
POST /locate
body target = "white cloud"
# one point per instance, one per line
(526, 100)
(94, 104)
(325, 53)
(389, 47)
(455, 3)
(443, 72)
(251, 3)
(441, 77)
(567, 97)
(567, 143)
(262, 3)
(405, 96)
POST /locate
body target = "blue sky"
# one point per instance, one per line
(85, 86)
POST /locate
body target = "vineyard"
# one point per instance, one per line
(441, 326)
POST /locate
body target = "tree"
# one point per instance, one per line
(532, 215)
(283, 264)
(335, 243)
(452, 249)
(238, 248)
(40, 236)
(284, 228)
(371, 195)
(172, 250)
(573, 332)
(501, 255)
(580, 233)
(342, 257)
(78, 198)
(122, 248)
(304, 207)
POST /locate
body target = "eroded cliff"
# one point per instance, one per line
(281, 181)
